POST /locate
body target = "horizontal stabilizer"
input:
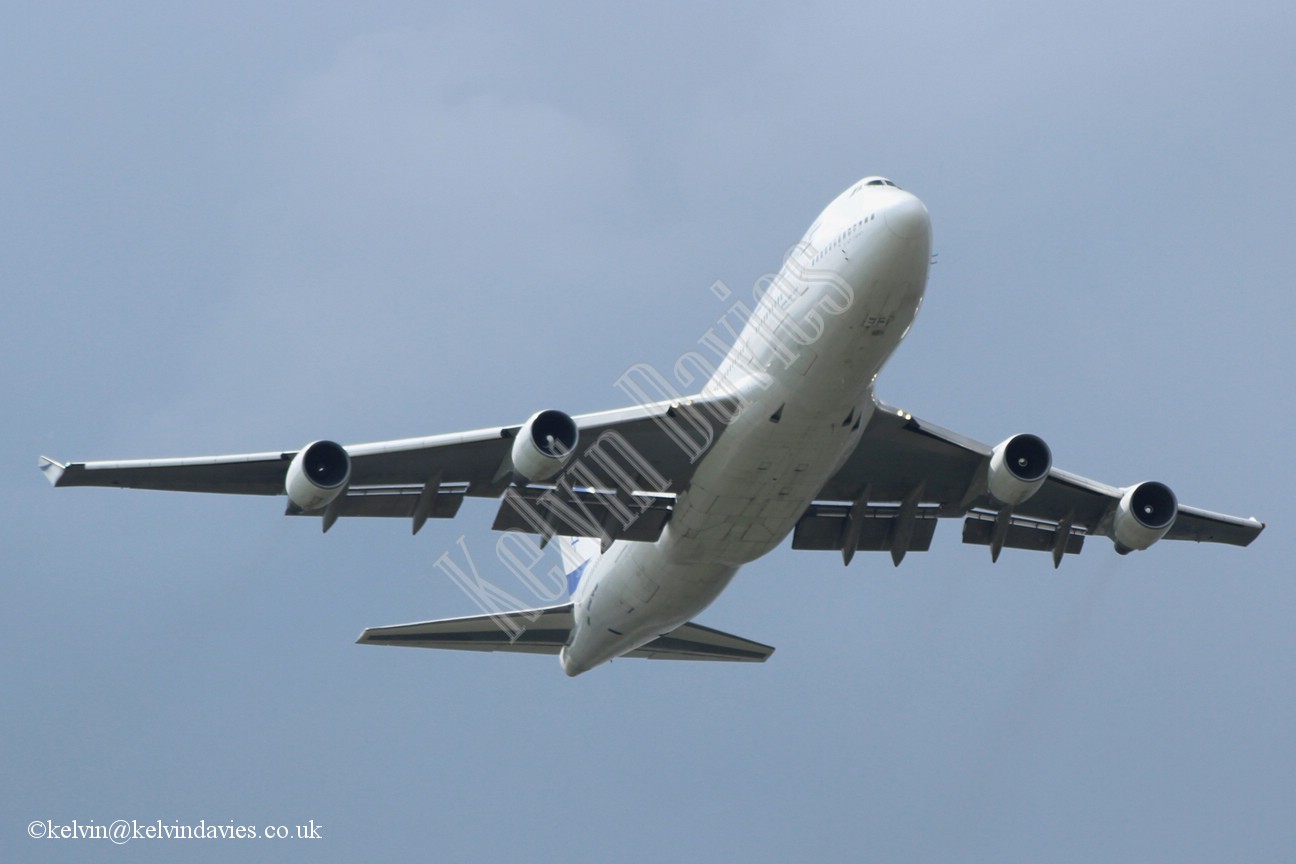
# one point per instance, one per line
(530, 631)
(694, 642)
(547, 630)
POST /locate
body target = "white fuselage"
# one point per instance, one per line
(802, 371)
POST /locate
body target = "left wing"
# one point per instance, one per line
(547, 630)
(650, 448)
(906, 473)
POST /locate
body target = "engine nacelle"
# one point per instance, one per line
(1144, 515)
(317, 474)
(1018, 468)
(543, 445)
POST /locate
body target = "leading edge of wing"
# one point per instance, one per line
(585, 422)
(669, 434)
(901, 456)
(245, 473)
(1193, 523)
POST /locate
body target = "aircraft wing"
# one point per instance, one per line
(427, 477)
(904, 475)
(907, 473)
(546, 631)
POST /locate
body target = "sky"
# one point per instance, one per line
(245, 226)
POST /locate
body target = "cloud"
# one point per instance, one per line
(408, 216)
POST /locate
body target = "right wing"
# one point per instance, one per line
(418, 478)
(906, 473)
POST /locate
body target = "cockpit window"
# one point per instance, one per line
(880, 181)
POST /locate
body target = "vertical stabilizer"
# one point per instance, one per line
(578, 555)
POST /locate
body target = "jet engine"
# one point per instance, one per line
(317, 474)
(543, 445)
(1018, 467)
(1143, 517)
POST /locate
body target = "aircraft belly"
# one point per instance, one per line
(748, 493)
(641, 594)
(803, 368)
(821, 347)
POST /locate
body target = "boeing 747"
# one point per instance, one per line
(658, 505)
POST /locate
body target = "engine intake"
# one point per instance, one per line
(317, 474)
(543, 445)
(1144, 515)
(1018, 467)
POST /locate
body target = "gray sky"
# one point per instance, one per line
(233, 227)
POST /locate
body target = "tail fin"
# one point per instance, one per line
(578, 555)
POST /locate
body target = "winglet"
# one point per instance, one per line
(51, 469)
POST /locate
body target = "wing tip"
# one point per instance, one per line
(52, 469)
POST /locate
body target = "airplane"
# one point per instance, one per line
(657, 506)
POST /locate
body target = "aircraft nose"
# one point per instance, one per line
(907, 218)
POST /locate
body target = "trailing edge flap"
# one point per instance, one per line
(546, 631)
